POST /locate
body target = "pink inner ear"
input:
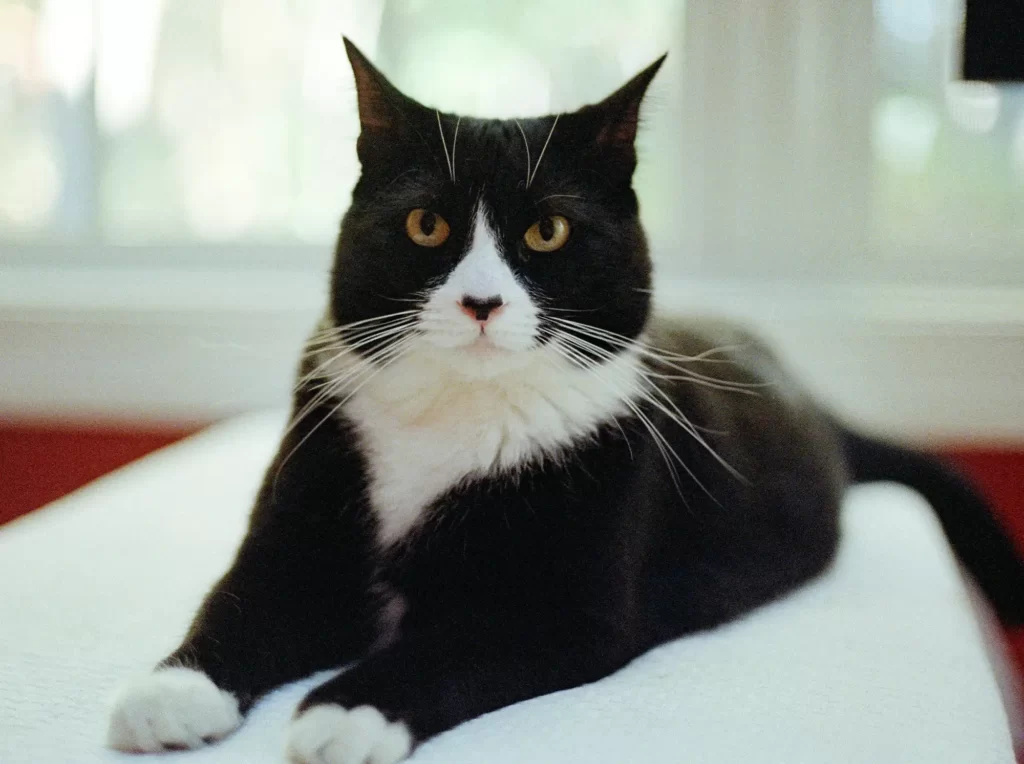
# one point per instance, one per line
(375, 112)
(621, 132)
(373, 107)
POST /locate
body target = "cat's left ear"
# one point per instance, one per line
(614, 121)
(386, 115)
(621, 110)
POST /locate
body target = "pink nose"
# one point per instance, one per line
(481, 310)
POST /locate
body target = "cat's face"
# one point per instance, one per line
(490, 231)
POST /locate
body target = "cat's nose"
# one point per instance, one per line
(481, 309)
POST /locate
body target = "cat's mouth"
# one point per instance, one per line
(483, 344)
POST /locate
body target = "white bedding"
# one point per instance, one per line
(881, 660)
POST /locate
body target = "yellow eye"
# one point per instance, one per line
(426, 228)
(547, 234)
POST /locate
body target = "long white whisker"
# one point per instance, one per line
(397, 351)
(348, 347)
(455, 140)
(662, 444)
(594, 330)
(444, 143)
(666, 358)
(353, 324)
(324, 338)
(666, 405)
(527, 144)
(334, 385)
(559, 196)
(615, 419)
(545, 148)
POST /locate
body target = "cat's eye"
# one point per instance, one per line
(426, 228)
(547, 234)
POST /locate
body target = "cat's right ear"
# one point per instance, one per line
(385, 114)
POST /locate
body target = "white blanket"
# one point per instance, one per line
(881, 660)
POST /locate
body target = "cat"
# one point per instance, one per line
(503, 476)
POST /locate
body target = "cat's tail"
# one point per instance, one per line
(979, 541)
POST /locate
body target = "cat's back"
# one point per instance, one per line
(719, 348)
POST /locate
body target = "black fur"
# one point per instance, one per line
(973, 531)
(520, 585)
(587, 173)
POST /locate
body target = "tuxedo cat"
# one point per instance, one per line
(503, 476)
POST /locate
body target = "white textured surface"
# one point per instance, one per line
(879, 661)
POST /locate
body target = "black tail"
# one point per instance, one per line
(977, 538)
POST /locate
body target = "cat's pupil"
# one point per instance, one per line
(427, 223)
(546, 228)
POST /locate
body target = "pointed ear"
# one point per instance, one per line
(377, 97)
(619, 113)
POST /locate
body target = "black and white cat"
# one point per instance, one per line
(504, 477)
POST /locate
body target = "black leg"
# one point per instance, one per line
(433, 680)
(296, 599)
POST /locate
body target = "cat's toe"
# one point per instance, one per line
(171, 709)
(330, 734)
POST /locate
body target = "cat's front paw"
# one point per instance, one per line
(330, 734)
(171, 709)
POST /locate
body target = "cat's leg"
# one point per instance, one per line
(296, 599)
(429, 682)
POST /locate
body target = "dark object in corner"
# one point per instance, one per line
(994, 41)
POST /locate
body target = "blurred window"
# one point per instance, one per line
(169, 130)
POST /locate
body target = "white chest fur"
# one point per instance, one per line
(426, 428)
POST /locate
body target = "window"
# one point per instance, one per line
(181, 163)
(949, 156)
(222, 122)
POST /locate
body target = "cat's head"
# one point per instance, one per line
(489, 237)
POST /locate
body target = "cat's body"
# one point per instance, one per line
(504, 478)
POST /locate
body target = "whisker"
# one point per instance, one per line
(570, 310)
(543, 149)
(664, 447)
(399, 351)
(383, 317)
(315, 346)
(662, 444)
(527, 144)
(337, 331)
(615, 419)
(455, 140)
(330, 386)
(444, 143)
(417, 299)
(668, 358)
(558, 196)
(349, 347)
(666, 405)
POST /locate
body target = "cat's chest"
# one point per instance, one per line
(424, 433)
(410, 465)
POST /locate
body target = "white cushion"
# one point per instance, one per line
(881, 660)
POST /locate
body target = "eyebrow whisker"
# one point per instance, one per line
(455, 140)
(444, 143)
(545, 148)
(558, 196)
(527, 144)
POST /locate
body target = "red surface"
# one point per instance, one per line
(41, 463)
(1000, 475)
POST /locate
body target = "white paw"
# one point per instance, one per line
(330, 734)
(171, 708)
